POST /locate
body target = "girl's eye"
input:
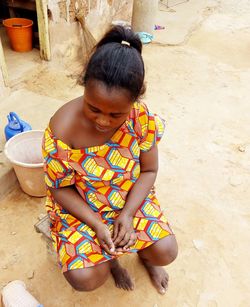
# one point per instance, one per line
(116, 115)
(94, 110)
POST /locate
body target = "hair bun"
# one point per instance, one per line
(119, 34)
(117, 62)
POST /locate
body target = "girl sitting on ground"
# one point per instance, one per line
(101, 163)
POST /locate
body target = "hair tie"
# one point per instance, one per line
(125, 43)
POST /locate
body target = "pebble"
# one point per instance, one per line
(13, 233)
(4, 267)
(30, 274)
(235, 181)
(198, 244)
(242, 148)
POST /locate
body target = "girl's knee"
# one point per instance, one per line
(82, 285)
(87, 279)
(161, 253)
(166, 254)
(172, 250)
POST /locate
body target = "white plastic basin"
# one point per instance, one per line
(24, 151)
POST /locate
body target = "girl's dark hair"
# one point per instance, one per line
(117, 64)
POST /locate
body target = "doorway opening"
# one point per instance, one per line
(19, 63)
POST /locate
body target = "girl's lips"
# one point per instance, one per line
(101, 128)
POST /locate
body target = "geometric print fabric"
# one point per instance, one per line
(103, 176)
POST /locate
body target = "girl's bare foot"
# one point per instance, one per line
(158, 276)
(121, 276)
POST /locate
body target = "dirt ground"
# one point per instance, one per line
(201, 87)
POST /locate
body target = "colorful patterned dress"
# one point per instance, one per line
(103, 176)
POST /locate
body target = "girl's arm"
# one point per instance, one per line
(145, 182)
(71, 201)
(123, 227)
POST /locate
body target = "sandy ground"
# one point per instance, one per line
(201, 88)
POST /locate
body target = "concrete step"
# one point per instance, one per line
(8, 181)
(31, 107)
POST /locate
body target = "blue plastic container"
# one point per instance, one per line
(15, 125)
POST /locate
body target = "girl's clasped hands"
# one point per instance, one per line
(122, 238)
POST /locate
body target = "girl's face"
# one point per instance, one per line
(106, 109)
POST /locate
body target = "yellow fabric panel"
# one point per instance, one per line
(163, 219)
(117, 159)
(114, 157)
(152, 128)
(95, 258)
(125, 141)
(76, 265)
(150, 137)
(130, 165)
(76, 156)
(93, 198)
(98, 171)
(118, 180)
(48, 182)
(163, 234)
(103, 190)
(56, 166)
(63, 145)
(108, 175)
(95, 148)
(81, 185)
(103, 151)
(117, 199)
(85, 248)
(66, 182)
(49, 144)
(150, 210)
(51, 173)
(135, 149)
(142, 224)
(138, 244)
(75, 237)
(127, 185)
(156, 230)
(135, 221)
(116, 137)
(67, 233)
(63, 254)
(136, 171)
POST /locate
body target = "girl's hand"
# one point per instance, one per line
(123, 233)
(104, 237)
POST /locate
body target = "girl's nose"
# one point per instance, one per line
(103, 120)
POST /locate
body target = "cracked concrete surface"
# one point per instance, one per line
(181, 20)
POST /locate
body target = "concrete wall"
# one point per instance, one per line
(2, 85)
(66, 37)
(4, 90)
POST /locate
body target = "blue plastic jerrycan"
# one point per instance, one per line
(15, 125)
